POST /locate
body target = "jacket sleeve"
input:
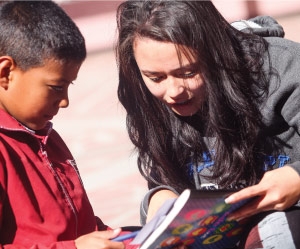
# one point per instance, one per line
(65, 244)
(57, 245)
(283, 105)
(265, 26)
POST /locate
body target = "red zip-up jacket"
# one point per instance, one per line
(43, 203)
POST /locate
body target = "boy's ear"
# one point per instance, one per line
(6, 65)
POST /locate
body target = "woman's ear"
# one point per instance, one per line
(6, 65)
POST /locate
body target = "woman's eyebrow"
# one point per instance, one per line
(182, 68)
(148, 72)
(185, 68)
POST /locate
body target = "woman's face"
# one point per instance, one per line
(180, 87)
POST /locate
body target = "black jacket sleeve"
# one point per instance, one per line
(265, 26)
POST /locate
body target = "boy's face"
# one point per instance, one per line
(33, 97)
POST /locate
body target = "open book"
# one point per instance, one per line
(197, 219)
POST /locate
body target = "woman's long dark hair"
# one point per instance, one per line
(231, 65)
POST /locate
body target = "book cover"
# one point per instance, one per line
(197, 219)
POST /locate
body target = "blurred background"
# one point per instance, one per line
(94, 125)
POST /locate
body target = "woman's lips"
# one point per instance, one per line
(181, 103)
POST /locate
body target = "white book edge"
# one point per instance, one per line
(179, 203)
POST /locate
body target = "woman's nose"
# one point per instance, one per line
(175, 86)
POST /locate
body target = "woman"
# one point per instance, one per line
(211, 107)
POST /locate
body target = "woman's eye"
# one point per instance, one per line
(155, 79)
(189, 74)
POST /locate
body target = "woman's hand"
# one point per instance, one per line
(99, 240)
(279, 189)
(156, 201)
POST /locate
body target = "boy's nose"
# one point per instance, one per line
(64, 103)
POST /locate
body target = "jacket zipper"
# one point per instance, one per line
(67, 196)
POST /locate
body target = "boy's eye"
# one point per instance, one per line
(57, 88)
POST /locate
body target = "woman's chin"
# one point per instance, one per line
(185, 111)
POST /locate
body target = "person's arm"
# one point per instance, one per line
(94, 240)
(100, 240)
(279, 189)
(153, 200)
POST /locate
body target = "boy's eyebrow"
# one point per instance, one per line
(63, 80)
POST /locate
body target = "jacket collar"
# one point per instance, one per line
(8, 122)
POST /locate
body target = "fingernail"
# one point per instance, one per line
(117, 230)
(228, 200)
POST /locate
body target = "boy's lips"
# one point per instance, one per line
(49, 117)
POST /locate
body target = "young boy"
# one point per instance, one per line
(42, 200)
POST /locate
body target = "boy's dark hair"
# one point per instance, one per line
(34, 31)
